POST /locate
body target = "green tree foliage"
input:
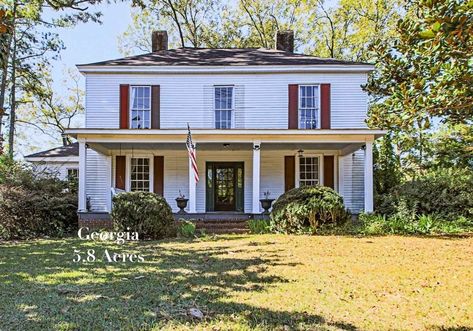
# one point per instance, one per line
(321, 29)
(387, 172)
(28, 41)
(424, 76)
(49, 113)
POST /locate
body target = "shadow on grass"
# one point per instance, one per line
(41, 288)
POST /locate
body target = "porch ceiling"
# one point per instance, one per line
(108, 147)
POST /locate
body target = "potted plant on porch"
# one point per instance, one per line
(266, 203)
(181, 203)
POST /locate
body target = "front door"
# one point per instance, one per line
(224, 186)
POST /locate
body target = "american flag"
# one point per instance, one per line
(191, 150)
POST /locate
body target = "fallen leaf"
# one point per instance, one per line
(196, 313)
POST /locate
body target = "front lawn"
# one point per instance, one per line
(242, 282)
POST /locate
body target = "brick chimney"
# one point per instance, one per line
(159, 41)
(285, 40)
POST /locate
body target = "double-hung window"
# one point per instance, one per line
(140, 174)
(224, 106)
(140, 107)
(308, 106)
(309, 171)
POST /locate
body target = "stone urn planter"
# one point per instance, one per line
(181, 204)
(266, 205)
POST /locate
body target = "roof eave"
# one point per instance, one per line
(117, 69)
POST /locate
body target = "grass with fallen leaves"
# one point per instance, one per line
(241, 283)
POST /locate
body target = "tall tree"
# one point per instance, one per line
(343, 30)
(425, 75)
(50, 113)
(27, 41)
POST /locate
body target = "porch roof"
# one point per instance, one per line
(229, 135)
(343, 140)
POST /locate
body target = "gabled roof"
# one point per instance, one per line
(62, 151)
(221, 57)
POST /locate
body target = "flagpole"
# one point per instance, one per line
(192, 175)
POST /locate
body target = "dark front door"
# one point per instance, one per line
(224, 186)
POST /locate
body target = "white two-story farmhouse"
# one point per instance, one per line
(261, 120)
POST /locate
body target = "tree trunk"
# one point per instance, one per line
(11, 132)
(3, 85)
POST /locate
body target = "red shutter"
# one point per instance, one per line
(329, 171)
(155, 107)
(293, 106)
(159, 175)
(120, 172)
(124, 106)
(289, 172)
(325, 106)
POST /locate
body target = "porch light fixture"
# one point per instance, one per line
(300, 153)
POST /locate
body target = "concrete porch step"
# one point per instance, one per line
(217, 216)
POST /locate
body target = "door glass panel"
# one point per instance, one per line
(224, 188)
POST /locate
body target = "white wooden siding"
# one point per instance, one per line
(98, 183)
(352, 188)
(261, 100)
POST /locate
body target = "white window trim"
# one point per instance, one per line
(321, 167)
(128, 170)
(232, 124)
(72, 168)
(130, 104)
(299, 103)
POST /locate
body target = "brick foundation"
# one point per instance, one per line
(96, 224)
(95, 220)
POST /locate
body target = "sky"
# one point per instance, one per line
(85, 43)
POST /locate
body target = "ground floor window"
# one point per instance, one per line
(140, 174)
(309, 171)
(72, 174)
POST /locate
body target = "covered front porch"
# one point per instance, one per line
(236, 167)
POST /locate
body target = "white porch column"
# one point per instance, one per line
(369, 177)
(256, 177)
(192, 187)
(82, 175)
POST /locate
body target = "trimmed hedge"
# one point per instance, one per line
(144, 212)
(306, 209)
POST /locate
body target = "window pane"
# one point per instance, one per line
(308, 171)
(141, 107)
(308, 107)
(140, 177)
(223, 107)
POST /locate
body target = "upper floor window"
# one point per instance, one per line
(140, 108)
(309, 171)
(224, 105)
(309, 106)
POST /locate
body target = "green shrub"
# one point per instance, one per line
(144, 212)
(370, 224)
(33, 206)
(306, 209)
(259, 226)
(186, 228)
(446, 193)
